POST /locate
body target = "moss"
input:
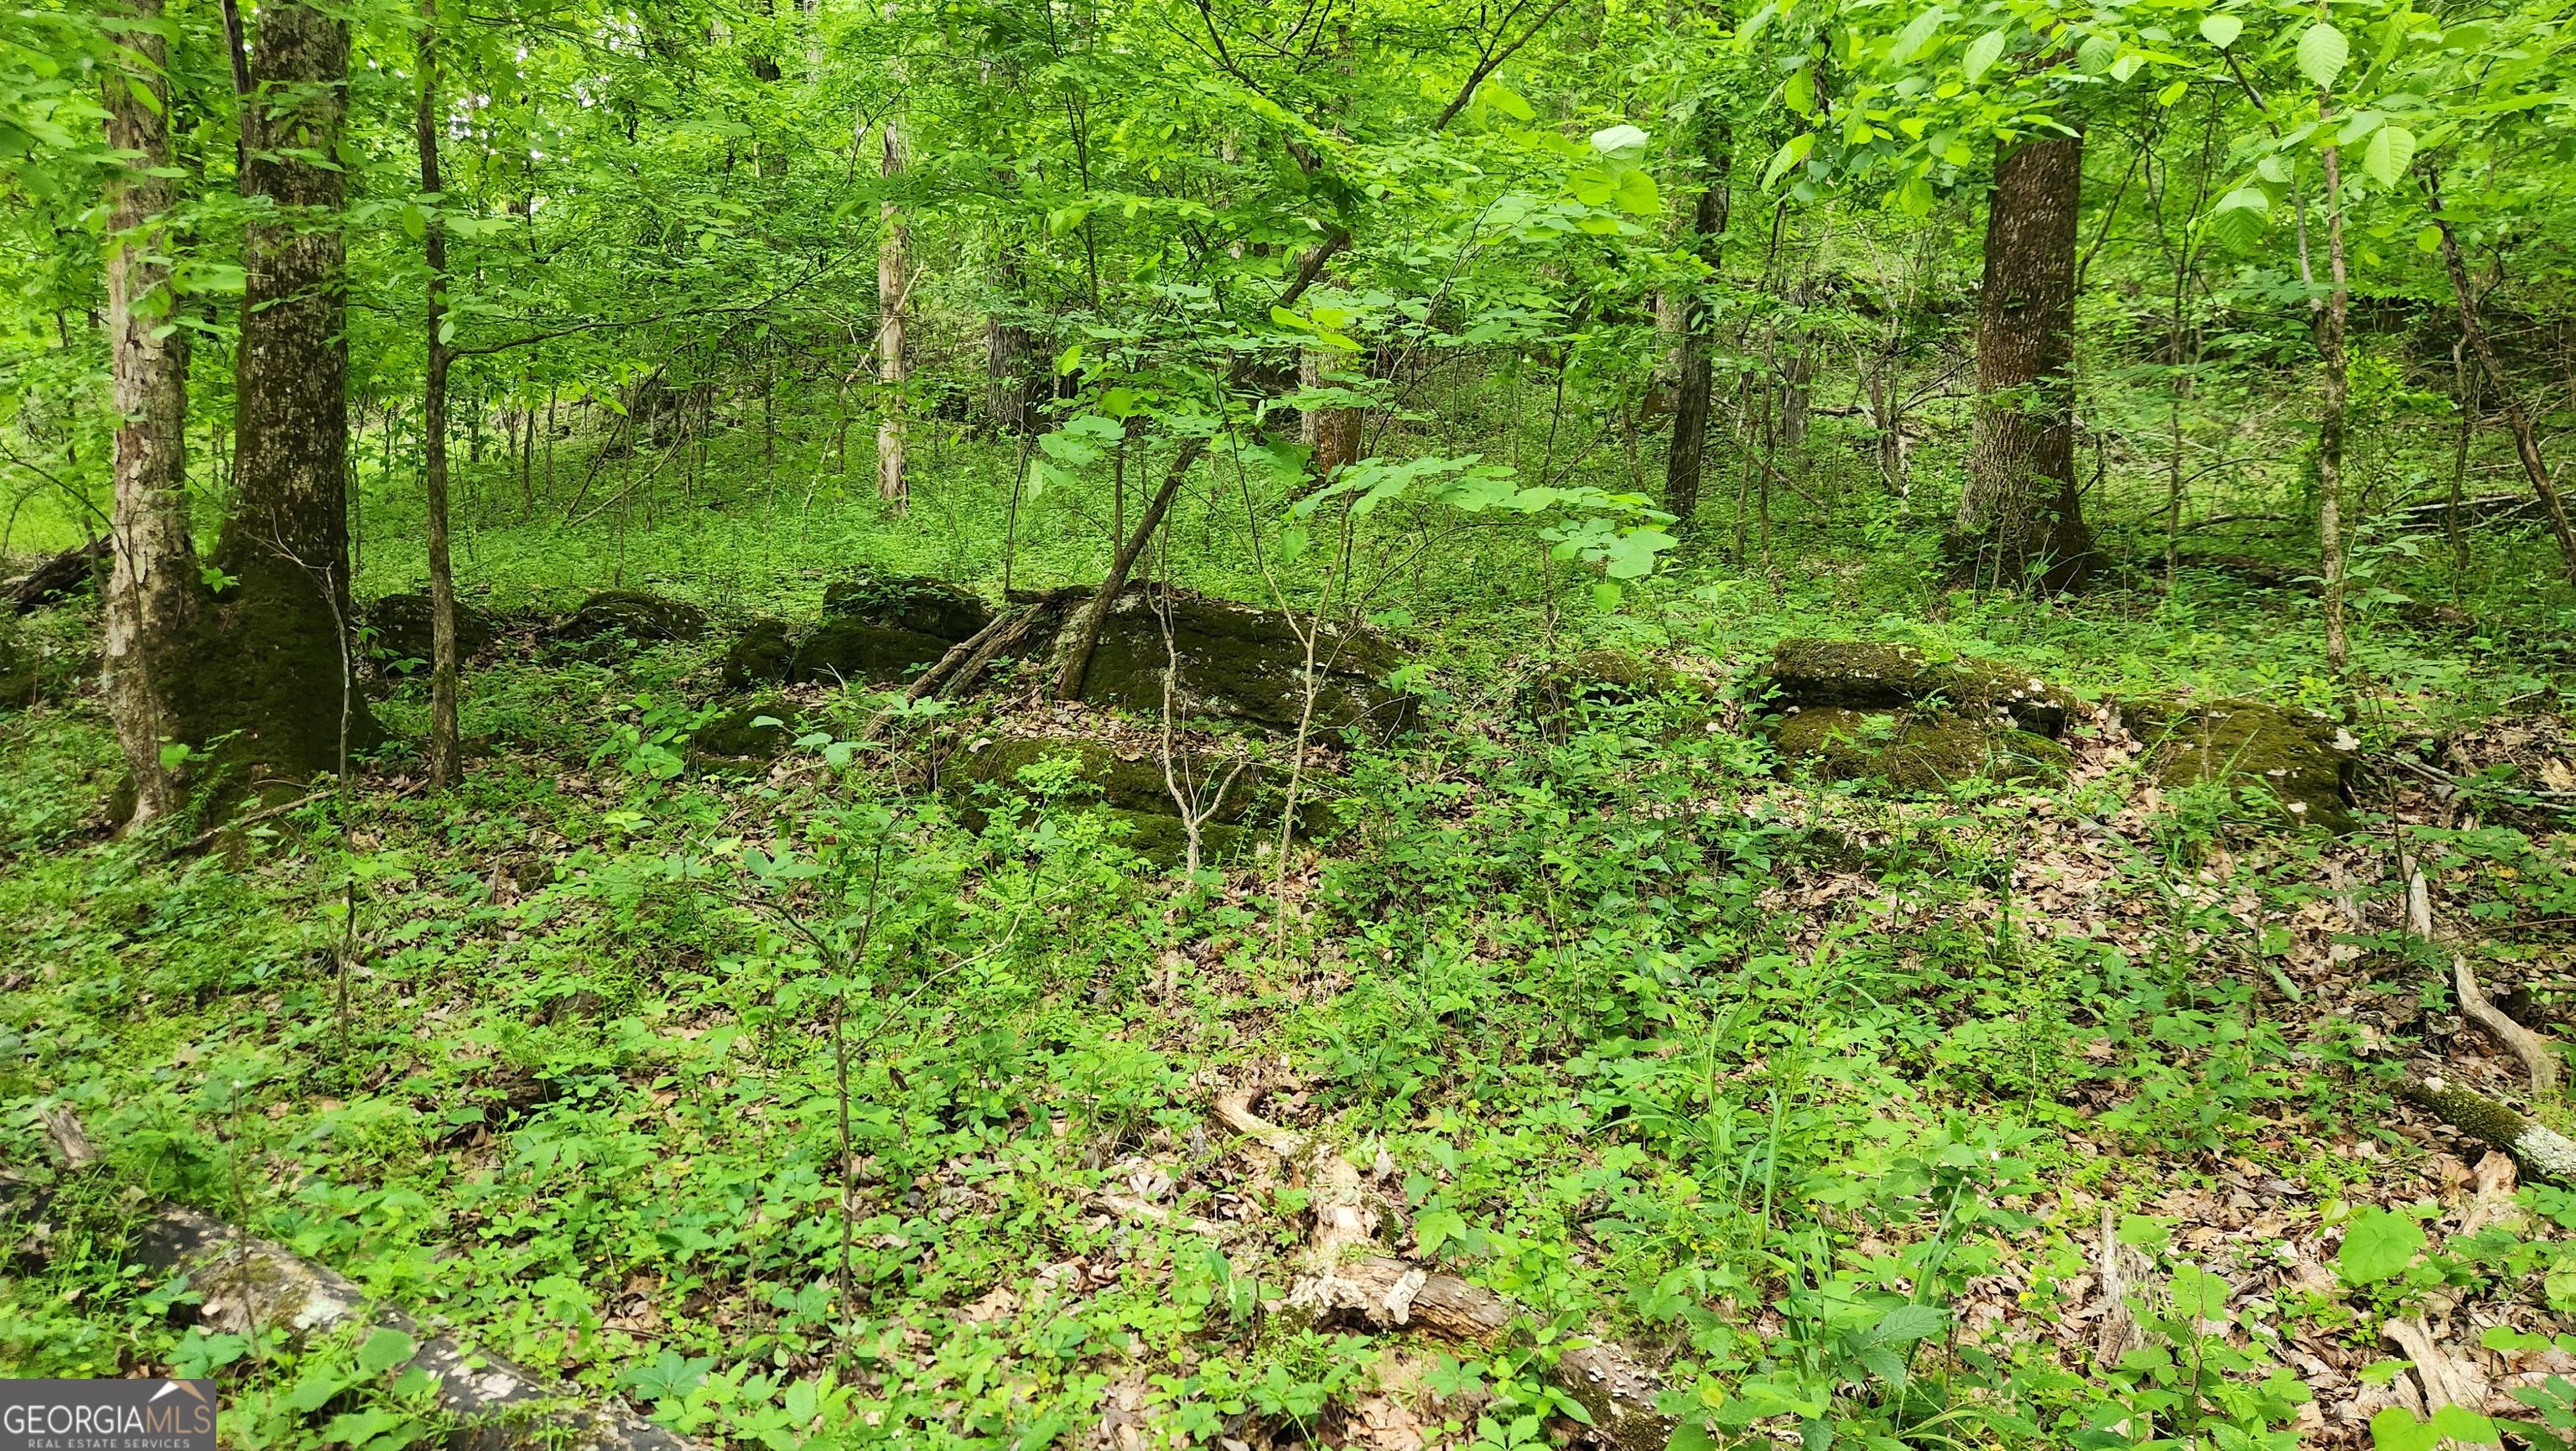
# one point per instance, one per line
(636, 615)
(844, 648)
(1614, 677)
(1133, 791)
(760, 655)
(913, 603)
(1240, 663)
(1908, 753)
(734, 739)
(1882, 675)
(2303, 759)
(399, 631)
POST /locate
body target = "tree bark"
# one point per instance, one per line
(154, 588)
(893, 305)
(1008, 355)
(274, 674)
(1692, 367)
(2330, 419)
(443, 751)
(1332, 433)
(2021, 516)
(2526, 446)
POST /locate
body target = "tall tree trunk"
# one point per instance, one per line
(1007, 355)
(277, 669)
(893, 303)
(443, 755)
(1692, 367)
(154, 589)
(2330, 418)
(2021, 517)
(2526, 446)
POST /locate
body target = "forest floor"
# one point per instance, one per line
(1604, 1013)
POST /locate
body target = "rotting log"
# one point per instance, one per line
(1388, 1293)
(2541, 1152)
(251, 1284)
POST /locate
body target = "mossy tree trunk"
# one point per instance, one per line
(893, 309)
(1692, 366)
(154, 591)
(272, 675)
(2021, 517)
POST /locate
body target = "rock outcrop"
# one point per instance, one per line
(2303, 759)
(400, 630)
(1239, 663)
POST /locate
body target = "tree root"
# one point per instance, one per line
(1387, 1293)
(2541, 1153)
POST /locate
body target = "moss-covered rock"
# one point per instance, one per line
(915, 603)
(881, 629)
(399, 627)
(634, 614)
(760, 655)
(739, 739)
(1241, 663)
(2305, 760)
(1616, 678)
(1879, 675)
(1130, 787)
(1910, 752)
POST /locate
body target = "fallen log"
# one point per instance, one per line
(58, 578)
(251, 1285)
(2538, 1058)
(2539, 1151)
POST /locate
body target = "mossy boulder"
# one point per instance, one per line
(1610, 677)
(881, 629)
(1880, 675)
(635, 615)
(760, 655)
(400, 630)
(1912, 752)
(917, 603)
(2304, 759)
(1129, 785)
(1242, 664)
(745, 738)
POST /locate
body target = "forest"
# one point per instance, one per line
(1292, 725)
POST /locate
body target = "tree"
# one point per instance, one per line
(2021, 515)
(154, 592)
(272, 667)
(1692, 367)
(443, 762)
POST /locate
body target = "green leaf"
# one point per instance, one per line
(1908, 1323)
(2221, 30)
(2322, 52)
(1621, 141)
(1910, 40)
(1800, 94)
(2391, 150)
(1433, 1228)
(1636, 194)
(2397, 1429)
(1606, 596)
(2377, 1245)
(1915, 198)
(386, 1349)
(2173, 93)
(1983, 52)
(2200, 1295)
(1788, 156)
(1506, 100)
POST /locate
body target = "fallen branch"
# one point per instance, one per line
(2537, 1057)
(1388, 1293)
(2541, 1152)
